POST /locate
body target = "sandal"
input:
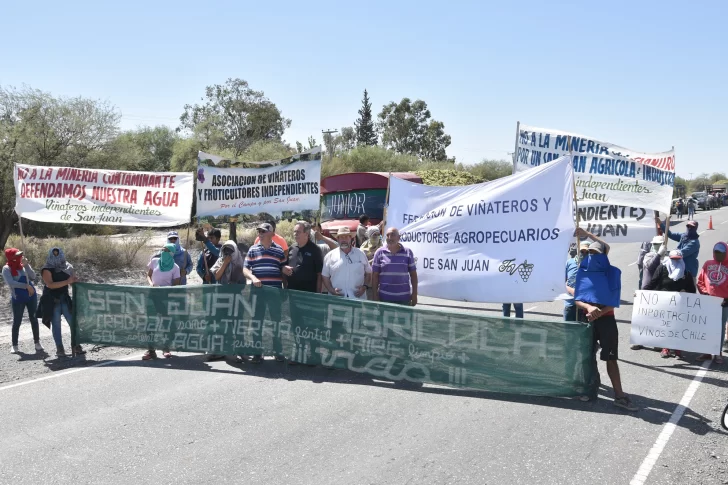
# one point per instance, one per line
(149, 355)
(78, 350)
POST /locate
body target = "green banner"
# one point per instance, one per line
(394, 342)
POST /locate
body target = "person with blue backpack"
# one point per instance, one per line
(19, 276)
(597, 292)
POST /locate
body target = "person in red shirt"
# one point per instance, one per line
(713, 281)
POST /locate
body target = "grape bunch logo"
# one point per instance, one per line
(524, 269)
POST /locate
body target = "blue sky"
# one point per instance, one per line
(646, 75)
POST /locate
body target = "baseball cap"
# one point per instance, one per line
(172, 234)
(596, 246)
(265, 227)
(675, 254)
(720, 247)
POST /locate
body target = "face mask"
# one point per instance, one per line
(655, 247)
(227, 251)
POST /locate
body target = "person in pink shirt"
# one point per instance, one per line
(713, 281)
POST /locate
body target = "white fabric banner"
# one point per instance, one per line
(107, 197)
(233, 191)
(605, 173)
(502, 241)
(677, 321)
(617, 223)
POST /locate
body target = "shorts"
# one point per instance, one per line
(604, 331)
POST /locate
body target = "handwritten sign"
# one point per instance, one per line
(233, 191)
(376, 339)
(677, 321)
(502, 241)
(111, 197)
(604, 172)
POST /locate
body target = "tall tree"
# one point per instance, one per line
(39, 129)
(154, 147)
(407, 127)
(233, 117)
(364, 125)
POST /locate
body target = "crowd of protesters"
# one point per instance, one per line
(362, 265)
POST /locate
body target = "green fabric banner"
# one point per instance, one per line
(394, 342)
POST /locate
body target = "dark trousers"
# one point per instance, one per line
(266, 299)
(517, 306)
(18, 311)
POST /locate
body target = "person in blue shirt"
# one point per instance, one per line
(688, 244)
(572, 266)
(208, 257)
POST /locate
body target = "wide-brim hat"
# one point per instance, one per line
(343, 231)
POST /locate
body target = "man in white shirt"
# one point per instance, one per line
(346, 269)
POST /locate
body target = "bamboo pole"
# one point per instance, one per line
(576, 203)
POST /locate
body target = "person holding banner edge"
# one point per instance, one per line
(597, 293)
(209, 255)
(688, 243)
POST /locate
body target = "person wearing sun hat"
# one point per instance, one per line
(713, 281)
(346, 270)
(671, 275)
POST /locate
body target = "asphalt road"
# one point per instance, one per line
(188, 421)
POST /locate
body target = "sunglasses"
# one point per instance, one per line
(261, 231)
(172, 239)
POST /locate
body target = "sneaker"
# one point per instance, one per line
(256, 359)
(14, 349)
(78, 350)
(39, 347)
(239, 359)
(60, 352)
(665, 353)
(625, 403)
(637, 347)
(149, 355)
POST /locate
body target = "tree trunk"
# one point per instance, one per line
(8, 219)
(233, 231)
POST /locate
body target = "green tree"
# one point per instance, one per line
(233, 117)
(717, 176)
(407, 127)
(366, 134)
(488, 170)
(39, 129)
(154, 147)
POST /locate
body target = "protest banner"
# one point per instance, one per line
(604, 172)
(233, 191)
(88, 196)
(501, 241)
(677, 321)
(617, 223)
(380, 340)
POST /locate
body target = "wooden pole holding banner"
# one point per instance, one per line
(515, 149)
(386, 204)
(22, 236)
(667, 221)
(576, 203)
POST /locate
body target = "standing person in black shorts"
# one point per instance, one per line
(596, 302)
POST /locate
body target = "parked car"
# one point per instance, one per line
(702, 199)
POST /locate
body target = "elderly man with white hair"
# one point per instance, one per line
(346, 270)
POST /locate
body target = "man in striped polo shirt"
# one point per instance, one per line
(394, 272)
(264, 267)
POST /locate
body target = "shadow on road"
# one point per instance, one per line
(654, 411)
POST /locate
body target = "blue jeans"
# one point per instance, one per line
(517, 306)
(58, 309)
(691, 213)
(18, 312)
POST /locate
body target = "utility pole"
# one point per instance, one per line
(329, 132)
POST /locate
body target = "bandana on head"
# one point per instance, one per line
(15, 262)
(166, 258)
(57, 263)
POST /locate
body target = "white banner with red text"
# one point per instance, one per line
(233, 191)
(498, 242)
(605, 173)
(107, 197)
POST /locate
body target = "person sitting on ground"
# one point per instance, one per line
(162, 272)
(209, 255)
(597, 293)
(713, 280)
(58, 276)
(688, 244)
(672, 276)
(19, 276)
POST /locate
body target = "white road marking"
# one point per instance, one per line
(529, 309)
(700, 233)
(654, 454)
(724, 222)
(71, 371)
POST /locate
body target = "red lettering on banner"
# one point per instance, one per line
(114, 195)
(665, 163)
(50, 191)
(164, 199)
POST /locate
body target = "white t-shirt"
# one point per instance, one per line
(163, 278)
(346, 270)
